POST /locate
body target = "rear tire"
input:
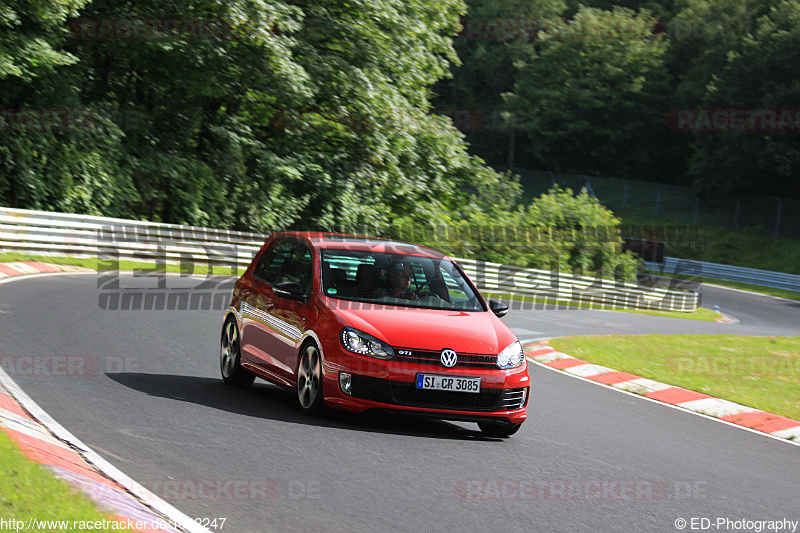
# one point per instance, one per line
(230, 365)
(498, 429)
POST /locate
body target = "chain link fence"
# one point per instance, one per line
(777, 216)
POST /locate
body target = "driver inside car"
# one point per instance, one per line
(399, 276)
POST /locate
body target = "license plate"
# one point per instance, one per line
(448, 383)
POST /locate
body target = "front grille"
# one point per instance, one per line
(403, 393)
(434, 358)
(408, 394)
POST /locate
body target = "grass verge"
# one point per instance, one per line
(760, 372)
(94, 263)
(701, 313)
(28, 490)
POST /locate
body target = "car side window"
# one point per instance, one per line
(298, 267)
(272, 261)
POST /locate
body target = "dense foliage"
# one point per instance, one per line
(262, 114)
(288, 114)
(597, 89)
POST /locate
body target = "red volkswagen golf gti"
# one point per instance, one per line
(360, 324)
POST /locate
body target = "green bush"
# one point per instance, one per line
(559, 230)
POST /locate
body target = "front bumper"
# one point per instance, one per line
(390, 386)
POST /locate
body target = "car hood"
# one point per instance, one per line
(432, 329)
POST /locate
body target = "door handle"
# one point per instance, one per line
(244, 293)
(270, 306)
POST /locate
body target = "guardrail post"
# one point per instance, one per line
(589, 186)
(736, 212)
(696, 211)
(552, 179)
(778, 217)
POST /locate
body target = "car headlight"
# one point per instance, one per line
(364, 344)
(511, 357)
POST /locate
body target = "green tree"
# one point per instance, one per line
(494, 35)
(303, 114)
(55, 153)
(759, 75)
(594, 93)
(31, 34)
(702, 34)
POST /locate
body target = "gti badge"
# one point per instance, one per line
(449, 357)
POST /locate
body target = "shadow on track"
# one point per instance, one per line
(267, 401)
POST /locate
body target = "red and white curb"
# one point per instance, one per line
(48, 443)
(42, 439)
(778, 426)
(23, 268)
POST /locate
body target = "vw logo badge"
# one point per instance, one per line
(449, 357)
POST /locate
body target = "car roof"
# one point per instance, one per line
(342, 241)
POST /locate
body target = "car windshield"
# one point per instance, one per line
(396, 279)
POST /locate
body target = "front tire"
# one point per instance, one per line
(309, 380)
(230, 365)
(498, 429)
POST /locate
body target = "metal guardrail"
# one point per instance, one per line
(41, 231)
(103, 237)
(591, 292)
(699, 270)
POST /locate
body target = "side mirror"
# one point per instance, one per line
(498, 308)
(289, 289)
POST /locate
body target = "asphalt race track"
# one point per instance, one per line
(758, 315)
(147, 396)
